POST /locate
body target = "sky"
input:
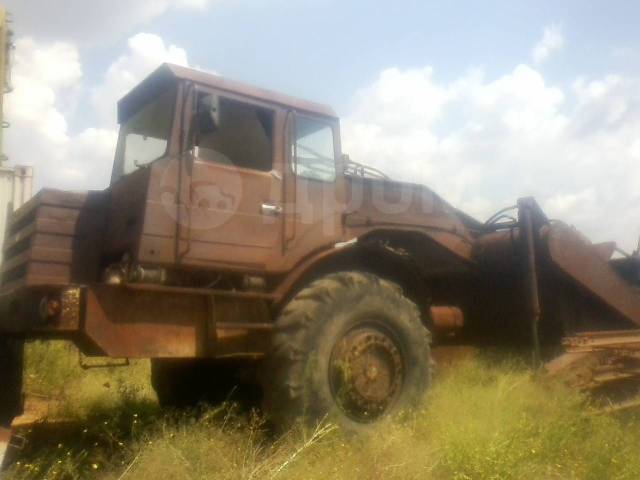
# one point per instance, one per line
(484, 102)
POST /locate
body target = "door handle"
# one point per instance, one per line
(270, 209)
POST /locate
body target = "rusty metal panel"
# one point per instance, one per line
(220, 221)
(602, 361)
(218, 216)
(313, 216)
(70, 309)
(603, 340)
(446, 320)
(145, 324)
(148, 321)
(577, 258)
(500, 250)
(54, 239)
(605, 249)
(383, 204)
(125, 214)
(243, 342)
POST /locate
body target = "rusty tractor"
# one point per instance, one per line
(235, 234)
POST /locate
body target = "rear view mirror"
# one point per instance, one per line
(207, 115)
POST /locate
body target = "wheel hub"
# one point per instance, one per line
(366, 372)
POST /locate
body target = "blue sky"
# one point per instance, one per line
(483, 101)
(327, 49)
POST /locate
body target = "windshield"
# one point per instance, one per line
(144, 137)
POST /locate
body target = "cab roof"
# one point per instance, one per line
(167, 73)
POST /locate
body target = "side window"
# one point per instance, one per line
(313, 151)
(243, 136)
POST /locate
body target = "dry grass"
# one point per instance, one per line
(481, 420)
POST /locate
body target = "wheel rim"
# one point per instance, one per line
(366, 372)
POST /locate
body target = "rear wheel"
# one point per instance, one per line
(349, 346)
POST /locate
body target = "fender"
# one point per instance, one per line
(337, 253)
(291, 279)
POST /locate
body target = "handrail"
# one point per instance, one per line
(355, 169)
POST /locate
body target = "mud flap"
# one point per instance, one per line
(11, 399)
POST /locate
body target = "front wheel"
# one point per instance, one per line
(350, 346)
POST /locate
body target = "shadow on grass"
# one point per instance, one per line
(76, 447)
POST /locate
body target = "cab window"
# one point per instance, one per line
(242, 136)
(313, 150)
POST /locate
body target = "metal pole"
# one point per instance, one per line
(5, 54)
(526, 225)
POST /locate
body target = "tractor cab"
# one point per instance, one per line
(219, 174)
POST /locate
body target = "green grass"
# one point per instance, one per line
(482, 419)
(53, 371)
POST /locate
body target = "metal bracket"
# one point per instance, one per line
(89, 366)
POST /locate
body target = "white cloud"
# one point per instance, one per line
(146, 52)
(57, 65)
(552, 40)
(89, 158)
(483, 143)
(91, 21)
(198, 4)
(47, 78)
(39, 131)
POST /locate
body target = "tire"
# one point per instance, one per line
(182, 383)
(349, 347)
(11, 366)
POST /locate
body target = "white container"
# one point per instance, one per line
(16, 188)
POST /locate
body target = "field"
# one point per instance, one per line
(488, 417)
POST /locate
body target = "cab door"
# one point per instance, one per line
(235, 192)
(314, 186)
